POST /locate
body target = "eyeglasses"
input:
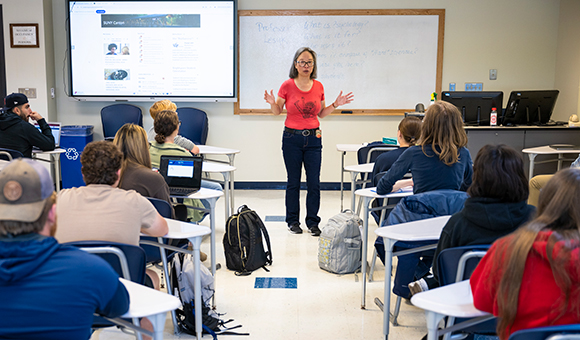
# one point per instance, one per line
(305, 63)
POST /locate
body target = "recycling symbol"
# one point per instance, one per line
(72, 154)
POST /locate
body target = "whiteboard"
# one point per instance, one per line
(390, 62)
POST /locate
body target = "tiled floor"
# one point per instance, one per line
(323, 306)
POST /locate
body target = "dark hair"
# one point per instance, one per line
(100, 162)
(165, 124)
(111, 46)
(15, 228)
(443, 128)
(498, 172)
(410, 128)
(557, 212)
(294, 71)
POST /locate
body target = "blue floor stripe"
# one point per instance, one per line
(275, 218)
(276, 282)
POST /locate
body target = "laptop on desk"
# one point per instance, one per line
(55, 128)
(181, 173)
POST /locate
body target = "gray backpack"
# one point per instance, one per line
(339, 245)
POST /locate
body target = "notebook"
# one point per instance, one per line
(181, 173)
(55, 127)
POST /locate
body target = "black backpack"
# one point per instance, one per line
(243, 245)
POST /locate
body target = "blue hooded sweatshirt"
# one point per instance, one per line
(50, 291)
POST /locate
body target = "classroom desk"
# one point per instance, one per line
(368, 194)
(422, 230)
(54, 162)
(343, 149)
(227, 173)
(452, 300)
(355, 170)
(149, 303)
(194, 233)
(547, 150)
(216, 150)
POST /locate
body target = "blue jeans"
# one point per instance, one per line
(297, 150)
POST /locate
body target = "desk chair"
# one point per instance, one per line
(562, 332)
(153, 253)
(368, 154)
(194, 124)
(116, 115)
(126, 259)
(455, 265)
(413, 208)
(9, 154)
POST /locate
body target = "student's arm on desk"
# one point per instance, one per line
(396, 172)
(45, 140)
(158, 228)
(401, 184)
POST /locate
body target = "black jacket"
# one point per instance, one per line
(16, 134)
(482, 221)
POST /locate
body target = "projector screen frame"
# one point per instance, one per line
(156, 97)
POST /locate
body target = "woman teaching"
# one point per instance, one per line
(302, 138)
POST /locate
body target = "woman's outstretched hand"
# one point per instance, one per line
(269, 97)
(342, 100)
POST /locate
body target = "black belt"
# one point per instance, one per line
(304, 133)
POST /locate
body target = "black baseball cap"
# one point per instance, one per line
(13, 100)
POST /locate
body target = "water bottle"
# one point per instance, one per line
(493, 117)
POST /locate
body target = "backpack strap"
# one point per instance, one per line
(269, 251)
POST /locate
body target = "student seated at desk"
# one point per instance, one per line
(163, 105)
(49, 291)
(101, 211)
(439, 161)
(166, 126)
(408, 134)
(496, 206)
(15, 131)
(540, 181)
(136, 173)
(531, 278)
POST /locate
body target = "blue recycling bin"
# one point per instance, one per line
(73, 138)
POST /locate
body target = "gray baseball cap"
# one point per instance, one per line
(25, 185)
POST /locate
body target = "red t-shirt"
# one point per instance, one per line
(540, 300)
(303, 107)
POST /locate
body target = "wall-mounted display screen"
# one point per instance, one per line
(153, 49)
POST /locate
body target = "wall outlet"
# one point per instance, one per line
(473, 86)
(451, 86)
(492, 74)
(29, 92)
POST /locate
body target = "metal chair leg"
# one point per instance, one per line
(373, 265)
(395, 315)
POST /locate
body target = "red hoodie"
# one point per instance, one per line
(541, 300)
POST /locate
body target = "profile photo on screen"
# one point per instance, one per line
(111, 49)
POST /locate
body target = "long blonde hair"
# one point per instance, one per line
(443, 128)
(131, 139)
(558, 211)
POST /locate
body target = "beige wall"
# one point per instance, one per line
(27, 67)
(519, 38)
(568, 60)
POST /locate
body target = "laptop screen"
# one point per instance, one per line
(180, 168)
(55, 127)
(181, 171)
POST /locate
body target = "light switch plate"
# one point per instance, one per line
(493, 74)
